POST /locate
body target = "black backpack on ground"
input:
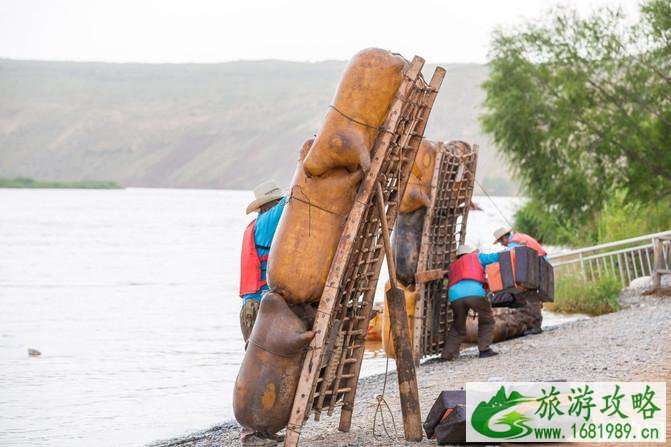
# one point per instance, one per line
(446, 422)
(506, 299)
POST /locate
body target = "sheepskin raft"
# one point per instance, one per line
(328, 176)
(330, 370)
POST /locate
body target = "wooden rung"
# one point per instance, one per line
(355, 317)
(357, 332)
(338, 391)
(344, 390)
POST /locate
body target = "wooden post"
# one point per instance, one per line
(619, 266)
(400, 332)
(659, 264)
(583, 272)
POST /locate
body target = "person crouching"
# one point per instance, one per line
(466, 291)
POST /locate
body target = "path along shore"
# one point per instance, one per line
(632, 344)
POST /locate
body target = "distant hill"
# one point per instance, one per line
(226, 125)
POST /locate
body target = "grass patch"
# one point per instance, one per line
(573, 294)
(22, 182)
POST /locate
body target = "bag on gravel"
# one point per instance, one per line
(446, 422)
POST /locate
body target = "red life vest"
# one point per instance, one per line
(526, 240)
(466, 267)
(250, 263)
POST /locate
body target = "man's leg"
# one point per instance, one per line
(485, 321)
(457, 331)
(252, 439)
(246, 433)
(535, 306)
(250, 309)
(532, 311)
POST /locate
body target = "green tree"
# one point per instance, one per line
(581, 107)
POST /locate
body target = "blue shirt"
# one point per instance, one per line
(469, 287)
(264, 231)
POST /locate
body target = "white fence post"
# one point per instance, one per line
(636, 249)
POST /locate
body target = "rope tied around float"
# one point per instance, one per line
(279, 354)
(306, 200)
(360, 123)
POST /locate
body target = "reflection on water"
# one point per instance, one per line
(131, 296)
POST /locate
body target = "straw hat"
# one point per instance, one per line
(264, 193)
(498, 234)
(465, 249)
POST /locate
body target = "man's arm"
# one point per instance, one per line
(488, 258)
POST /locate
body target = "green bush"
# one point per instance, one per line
(533, 219)
(573, 294)
(579, 105)
(620, 218)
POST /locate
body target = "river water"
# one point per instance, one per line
(131, 297)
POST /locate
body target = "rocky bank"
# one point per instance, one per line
(632, 344)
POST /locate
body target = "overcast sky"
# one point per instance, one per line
(224, 30)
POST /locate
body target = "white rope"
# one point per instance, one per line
(381, 401)
(493, 203)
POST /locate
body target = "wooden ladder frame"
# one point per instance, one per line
(344, 309)
(451, 193)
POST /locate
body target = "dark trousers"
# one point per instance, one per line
(457, 332)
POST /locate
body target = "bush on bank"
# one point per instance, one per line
(619, 219)
(574, 294)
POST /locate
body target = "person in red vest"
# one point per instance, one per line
(466, 282)
(269, 202)
(533, 308)
(511, 239)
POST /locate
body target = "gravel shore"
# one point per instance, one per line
(632, 344)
